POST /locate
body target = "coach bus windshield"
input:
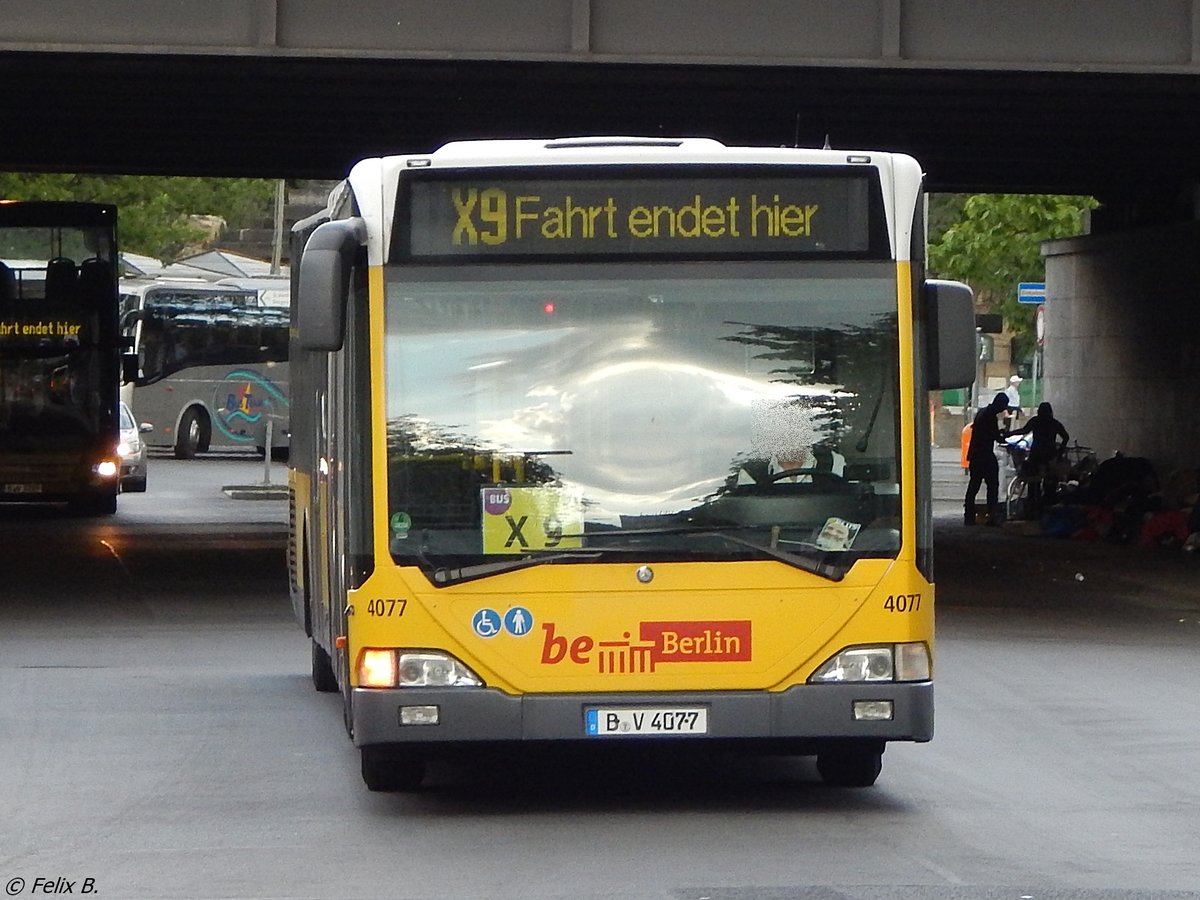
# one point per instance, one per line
(53, 285)
(657, 411)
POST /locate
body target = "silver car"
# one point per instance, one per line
(133, 452)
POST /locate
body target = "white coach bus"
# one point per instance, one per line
(212, 365)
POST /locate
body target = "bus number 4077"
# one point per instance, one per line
(902, 603)
(386, 607)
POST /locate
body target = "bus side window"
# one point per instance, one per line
(188, 346)
(152, 349)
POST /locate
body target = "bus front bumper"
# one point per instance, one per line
(804, 713)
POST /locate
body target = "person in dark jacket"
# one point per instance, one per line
(1048, 440)
(1045, 432)
(981, 460)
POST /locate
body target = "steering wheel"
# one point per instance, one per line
(811, 476)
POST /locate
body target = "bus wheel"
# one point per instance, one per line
(104, 504)
(850, 766)
(193, 435)
(324, 680)
(391, 769)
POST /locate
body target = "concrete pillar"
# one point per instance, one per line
(1122, 346)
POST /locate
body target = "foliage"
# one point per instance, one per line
(153, 211)
(996, 243)
(944, 210)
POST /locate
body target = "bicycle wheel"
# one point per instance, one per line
(1016, 503)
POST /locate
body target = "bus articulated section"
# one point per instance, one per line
(620, 440)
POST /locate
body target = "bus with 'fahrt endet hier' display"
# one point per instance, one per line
(61, 356)
(620, 440)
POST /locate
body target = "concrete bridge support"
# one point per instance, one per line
(1122, 359)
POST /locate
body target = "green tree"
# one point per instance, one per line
(996, 243)
(153, 211)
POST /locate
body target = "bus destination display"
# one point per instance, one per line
(684, 215)
(41, 330)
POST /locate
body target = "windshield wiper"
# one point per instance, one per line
(444, 575)
(807, 562)
(816, 566)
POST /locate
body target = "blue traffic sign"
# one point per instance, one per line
(1031, 292)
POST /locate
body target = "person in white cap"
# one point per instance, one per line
(1014, 400)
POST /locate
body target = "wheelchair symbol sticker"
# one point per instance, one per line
(486, 623)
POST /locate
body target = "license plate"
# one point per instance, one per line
(620, 721)
(22, 489)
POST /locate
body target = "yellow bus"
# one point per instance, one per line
(616, 440)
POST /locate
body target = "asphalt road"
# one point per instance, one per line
(159, 735)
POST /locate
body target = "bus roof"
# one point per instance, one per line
(141, 286)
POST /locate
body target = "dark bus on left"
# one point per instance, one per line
(60, 355)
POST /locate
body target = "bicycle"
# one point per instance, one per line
(1082, 460)
(1072, 466)
(1018, 499)
(1078, 464)
(1017, 492)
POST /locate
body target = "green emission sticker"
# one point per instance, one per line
(401, 524)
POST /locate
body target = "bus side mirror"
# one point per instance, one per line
(951, 334)
(324, 288)
(129, 368)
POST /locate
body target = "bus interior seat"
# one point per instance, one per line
(8, 284)
(93, 277)
(61, 278)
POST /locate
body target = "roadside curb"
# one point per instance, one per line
(256, 491)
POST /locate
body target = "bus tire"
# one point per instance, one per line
(102, 504)
(390, 769)
(193, 435)
(133, 486)
(850, 766)
(324, 679)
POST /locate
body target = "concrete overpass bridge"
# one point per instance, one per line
(1099, 97)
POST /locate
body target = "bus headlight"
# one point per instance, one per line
(432, 669)
(389, 668)
(886, 662)
(107, 468)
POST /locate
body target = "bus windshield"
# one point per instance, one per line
(55, 366)
(668, 411)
